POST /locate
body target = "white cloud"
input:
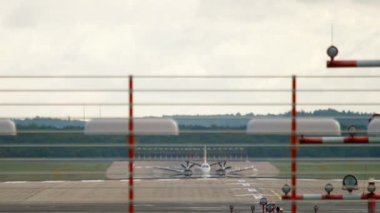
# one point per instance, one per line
(213, 37)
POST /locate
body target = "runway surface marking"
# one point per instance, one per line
(276, 194)
(92, 181)
(53, 181)
(12, 182)
(251, 191)
(169, 179)
(267, 179)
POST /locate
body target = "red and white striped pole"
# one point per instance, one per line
(353, 63)
(293, 142)
(352, 196)
(347, 140)
(371, 196)
(332, 52)
(371, 206)
(131, 148)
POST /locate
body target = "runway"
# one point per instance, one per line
(165, 195)
(172, 207)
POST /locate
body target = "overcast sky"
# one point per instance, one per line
(172, 37)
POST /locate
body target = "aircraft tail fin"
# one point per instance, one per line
(205, 154)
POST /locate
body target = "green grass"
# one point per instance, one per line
(37, 171)
(333, 170)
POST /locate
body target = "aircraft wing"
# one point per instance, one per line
(170, 169)
(240, 170)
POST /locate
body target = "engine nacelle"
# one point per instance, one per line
(221, 172)
(187, 172)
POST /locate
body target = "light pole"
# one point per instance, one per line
(316, 207)
(231, 208)
(332, 52)
(263, 203)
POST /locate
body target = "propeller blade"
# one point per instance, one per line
(183, 166)
(228, 167)
(224, 164)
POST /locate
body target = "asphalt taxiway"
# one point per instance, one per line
(166, 194)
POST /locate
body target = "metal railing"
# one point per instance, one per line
(211, 101)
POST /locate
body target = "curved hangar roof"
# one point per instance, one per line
(305, 126)
(142, 126)
(7, 127)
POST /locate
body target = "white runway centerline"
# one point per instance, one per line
(53, 181)
(91, 181)
(15, 182)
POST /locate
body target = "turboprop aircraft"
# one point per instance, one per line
(188, 168)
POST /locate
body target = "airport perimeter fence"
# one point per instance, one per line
(50, 146)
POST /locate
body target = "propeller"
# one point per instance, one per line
(222, 170)
(187, 168)
(187, 165)
(222, 165)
